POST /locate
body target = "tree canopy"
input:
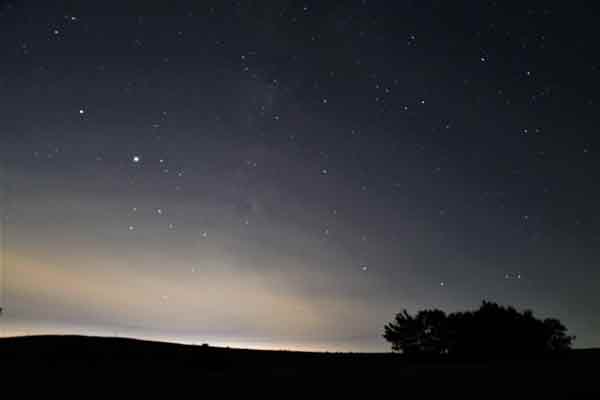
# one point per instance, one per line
(491, 330)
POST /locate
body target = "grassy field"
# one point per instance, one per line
(72, 356)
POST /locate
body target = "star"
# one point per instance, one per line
(81, 111)
(136, 159)
(364, 268)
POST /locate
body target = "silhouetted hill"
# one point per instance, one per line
(72, 356)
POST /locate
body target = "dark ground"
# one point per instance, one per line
(104, 360)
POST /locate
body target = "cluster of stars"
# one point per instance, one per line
(512, 275)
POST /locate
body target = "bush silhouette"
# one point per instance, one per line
(491, 330)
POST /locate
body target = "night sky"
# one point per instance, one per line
(290, 174)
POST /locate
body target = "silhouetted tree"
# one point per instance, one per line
(424, 333)
(401, 333)
(491, 330)
(556, 335)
